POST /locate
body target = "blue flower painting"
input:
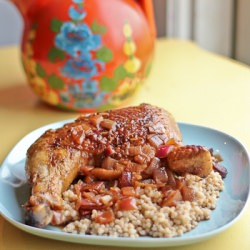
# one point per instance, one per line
(77, 14)
(78, 41)
(81, 68)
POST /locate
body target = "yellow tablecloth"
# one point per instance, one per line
(195, 85)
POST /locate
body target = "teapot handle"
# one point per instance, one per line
(148, 9)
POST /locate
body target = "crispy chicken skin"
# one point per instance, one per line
(190, 159)
(131, 134)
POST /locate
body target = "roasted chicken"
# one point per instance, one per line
(128, 146)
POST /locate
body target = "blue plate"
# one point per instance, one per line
(232, 202)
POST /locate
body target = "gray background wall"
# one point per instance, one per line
(10, 24)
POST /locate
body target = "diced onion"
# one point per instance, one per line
(160, 175)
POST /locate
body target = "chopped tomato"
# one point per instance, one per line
(128, 191)
(87, 204)
(126, 204)
(104, 217)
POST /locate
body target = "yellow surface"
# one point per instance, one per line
(195, 85)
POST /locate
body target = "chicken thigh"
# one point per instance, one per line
(102, 146)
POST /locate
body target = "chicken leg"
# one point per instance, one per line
(101, 142)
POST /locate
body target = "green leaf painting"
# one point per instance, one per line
(120, 73)
(55, 25)
(108, 84)
(55, 54)
(40, 70)
(55, 82)
(98, 28)
(104, 54)
(106, 106)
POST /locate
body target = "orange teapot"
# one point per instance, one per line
(87, 55)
